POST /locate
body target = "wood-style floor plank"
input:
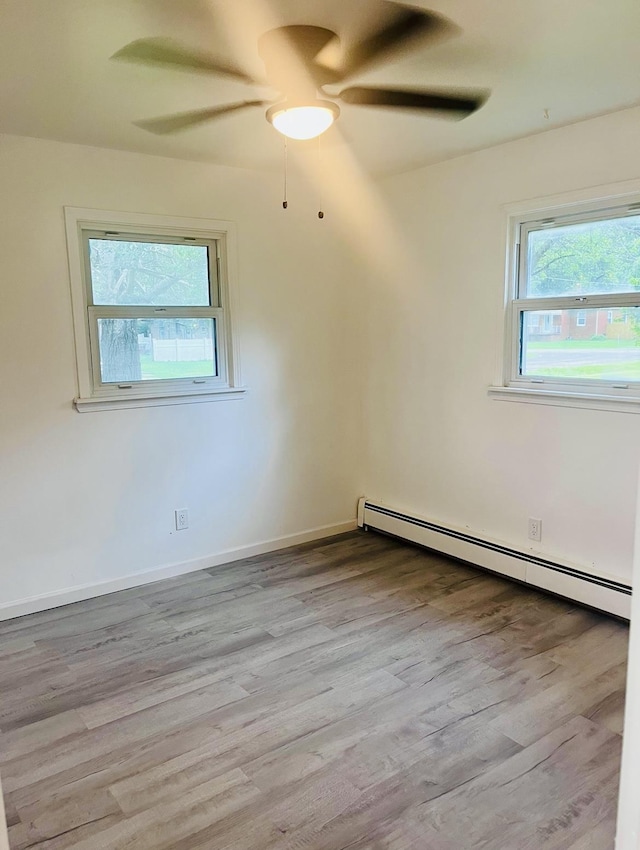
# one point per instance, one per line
(354, 693)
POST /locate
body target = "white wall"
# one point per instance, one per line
(628, 828)
(88, 498)
(437, 445)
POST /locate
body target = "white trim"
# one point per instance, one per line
(579, 304)
(91, 394)
(361, 504)
(92, 405)
(565, 398)
(628, 827)
(577, 201)
(4, 837)
(57, 598)
(490, 554)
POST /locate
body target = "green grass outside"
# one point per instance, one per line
(156, 370)
(623, 371)
(629, 370)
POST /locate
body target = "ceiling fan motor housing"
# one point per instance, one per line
(289, 56)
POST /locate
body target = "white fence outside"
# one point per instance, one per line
(172, 350)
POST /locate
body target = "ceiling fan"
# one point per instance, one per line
(300, 62)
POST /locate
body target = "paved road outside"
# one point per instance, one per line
(549, 357)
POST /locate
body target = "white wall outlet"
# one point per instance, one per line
(182, 519)
(535, 529)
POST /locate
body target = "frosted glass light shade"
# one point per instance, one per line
(303, 122)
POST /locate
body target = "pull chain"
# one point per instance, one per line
(320, 175)
(285, 202)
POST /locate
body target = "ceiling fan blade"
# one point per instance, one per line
(161, 51)
(406, 24)
(456, 104)
(183, 120)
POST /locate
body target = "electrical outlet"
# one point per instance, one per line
(535, 529)
(182, 519)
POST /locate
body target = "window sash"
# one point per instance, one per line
(527, 226)
(159, 385)
(521, 306)
(213, 246)
(608, 301)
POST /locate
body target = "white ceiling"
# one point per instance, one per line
(574, 58)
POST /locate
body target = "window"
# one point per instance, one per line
(574, 314)
(151, 309)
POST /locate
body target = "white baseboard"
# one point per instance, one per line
(560, 577)
(57, 598)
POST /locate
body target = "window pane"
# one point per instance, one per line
(149, 274)
(582, 259)
(601, 344)
(156, 349)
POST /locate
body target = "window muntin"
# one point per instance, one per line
(575, 322)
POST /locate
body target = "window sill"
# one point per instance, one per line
(91, 405)
(558, 398)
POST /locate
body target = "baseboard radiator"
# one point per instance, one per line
(563, 579)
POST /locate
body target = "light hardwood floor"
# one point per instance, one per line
(353, 693)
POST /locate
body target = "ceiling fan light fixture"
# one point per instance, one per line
(304, 121)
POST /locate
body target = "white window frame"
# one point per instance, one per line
(616, 200)
(220, 238)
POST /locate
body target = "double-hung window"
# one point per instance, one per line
(151, 309)
(574, 311)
